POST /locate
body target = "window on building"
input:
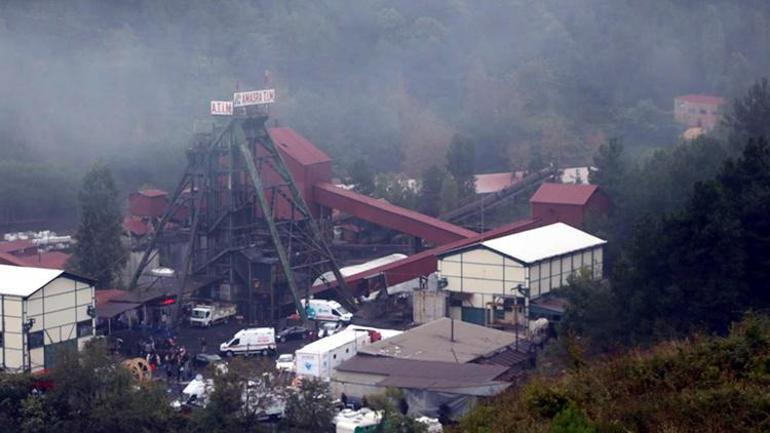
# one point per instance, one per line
(2, 342)
(85, 328)
(35, 340)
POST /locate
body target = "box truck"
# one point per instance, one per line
(318, 359)
(250, 341)
(209, 314)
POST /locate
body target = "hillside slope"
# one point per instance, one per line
(703, 385)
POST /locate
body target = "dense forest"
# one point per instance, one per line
(385, 82)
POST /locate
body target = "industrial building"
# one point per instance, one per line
(443, 366)
(569, 203)
(486, 280)
(42, 311)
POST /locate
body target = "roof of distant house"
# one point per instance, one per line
(543, 242)
(23, 281)
(433, 342)
(494, 182)
(297, 146)
(702, 99)
(48, 260)
(17, 245)
(563, 193)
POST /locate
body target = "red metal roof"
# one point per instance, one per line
(135, 226)
(48, 260)
(17, 245)
(10, 259)
(388, 215)
(494, 182)
(297, 147)
(563, 193)
(702, 99)
(106, 295)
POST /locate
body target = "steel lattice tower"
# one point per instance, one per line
(243, 213)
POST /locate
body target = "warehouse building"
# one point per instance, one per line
(443, 367)
(490, 282)
(42, 311)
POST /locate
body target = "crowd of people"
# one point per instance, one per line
(166, 356)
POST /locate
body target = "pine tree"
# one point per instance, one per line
(99, 252)
(430, 192)
(448, 196)
(461, 159)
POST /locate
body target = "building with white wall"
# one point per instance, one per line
(42, 311)
(483, 278)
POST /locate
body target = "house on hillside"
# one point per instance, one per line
(568, 203)
(698, 111)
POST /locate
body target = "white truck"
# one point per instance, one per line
(319, 358)
(250, 341)
(326, 310)
(206, 315)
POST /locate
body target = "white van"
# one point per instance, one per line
(250, 341)
(325, 310)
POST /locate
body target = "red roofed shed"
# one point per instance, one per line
(568, 203)
(149, 203)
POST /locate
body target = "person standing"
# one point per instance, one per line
(203, 344)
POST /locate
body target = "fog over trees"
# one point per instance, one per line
(387, 82)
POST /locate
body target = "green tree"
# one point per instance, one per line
(93, 393)
(396, 189)
(571, 420)
(361, 176)
(99, 252)
(392, 404)
(610, 169)
(748, 116)
(430, 190)
(311, 409)
(461, 159)
(448, 196)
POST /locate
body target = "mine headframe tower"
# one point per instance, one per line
(245, 217)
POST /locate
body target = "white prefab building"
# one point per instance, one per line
(483, 278)
(42, 311)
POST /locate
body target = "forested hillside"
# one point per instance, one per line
(701, 385)
(387, 82)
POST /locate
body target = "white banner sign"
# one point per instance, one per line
(254, 97)
(222, 108)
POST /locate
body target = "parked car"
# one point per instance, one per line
(203, 360)
(326, 329)
(285, 362)
(296, 332)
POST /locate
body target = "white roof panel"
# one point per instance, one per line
(543, 242)
(24, 281)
